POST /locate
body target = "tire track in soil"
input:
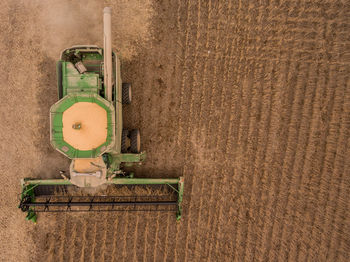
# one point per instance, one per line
(250, 131)
(200, 109)
(343, 243)
(330, 147)
(315, 131)
(301, 107)
(294, 244)
(73, 237)
(206, 19)
(196, 88)
(258, 137)
(285, 130)
(132, 236)
(307, 189)
(146, 237)
(224, 231)
(340, 253)
(339, 165)
(243, 132)
(78, 240)
(301, 128)
(142, 231)
(115, 245)
(219, 133)
(51, 249)
(284, 67)
(109, 236)
(63, 238)
(271, 123)
(317, 167)
(124, 236)
(204, 89)
(84, 237)
(235, 123)
(263, 120)
(168, 108)
(296, 168)
(185, 60)
(294, 144)
(195, 171)
(102, 229)
(150, 244)
(161, 245)
(217, 239)
(185, 93)
(153, 245)
(127, 241)
(313, 166)
(170, 242)
(88, 237)
(240, 133)
(135, 238)
(173, 231)
(234, 112)
(94, 242)
(251, 146)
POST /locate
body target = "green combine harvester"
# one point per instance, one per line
(86, 126)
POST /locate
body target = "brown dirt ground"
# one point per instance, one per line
(248, 100)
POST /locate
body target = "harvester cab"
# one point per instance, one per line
(86, 125)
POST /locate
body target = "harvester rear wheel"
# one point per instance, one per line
(125, 137)
(135, 141)
(126, 93)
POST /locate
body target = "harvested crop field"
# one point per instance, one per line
(248, 100)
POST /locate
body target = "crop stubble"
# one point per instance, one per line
(248, 101)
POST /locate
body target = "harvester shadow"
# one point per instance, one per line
(51, 161)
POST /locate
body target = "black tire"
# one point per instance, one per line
(123, 147)
(135, 141)
(126, 93)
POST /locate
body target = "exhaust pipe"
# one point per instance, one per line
(107, 51)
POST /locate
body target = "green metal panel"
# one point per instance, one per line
(116, 181)
(46, 182)
(180, 197)
(73, 81)
(56, 134)
(128, 157)
(92, 56)
(118, 105)
(143, 181)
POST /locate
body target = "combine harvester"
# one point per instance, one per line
(86, 126)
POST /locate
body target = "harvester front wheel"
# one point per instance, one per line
(135, 141)
(126, 93)
(124, 142)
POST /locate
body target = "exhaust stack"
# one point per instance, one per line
(107, 46)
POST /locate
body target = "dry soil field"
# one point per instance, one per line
(248, 100)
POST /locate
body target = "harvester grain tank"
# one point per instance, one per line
(86, 126)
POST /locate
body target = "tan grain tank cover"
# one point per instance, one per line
(92, 122)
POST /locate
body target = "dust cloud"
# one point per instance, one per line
(67, 23)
